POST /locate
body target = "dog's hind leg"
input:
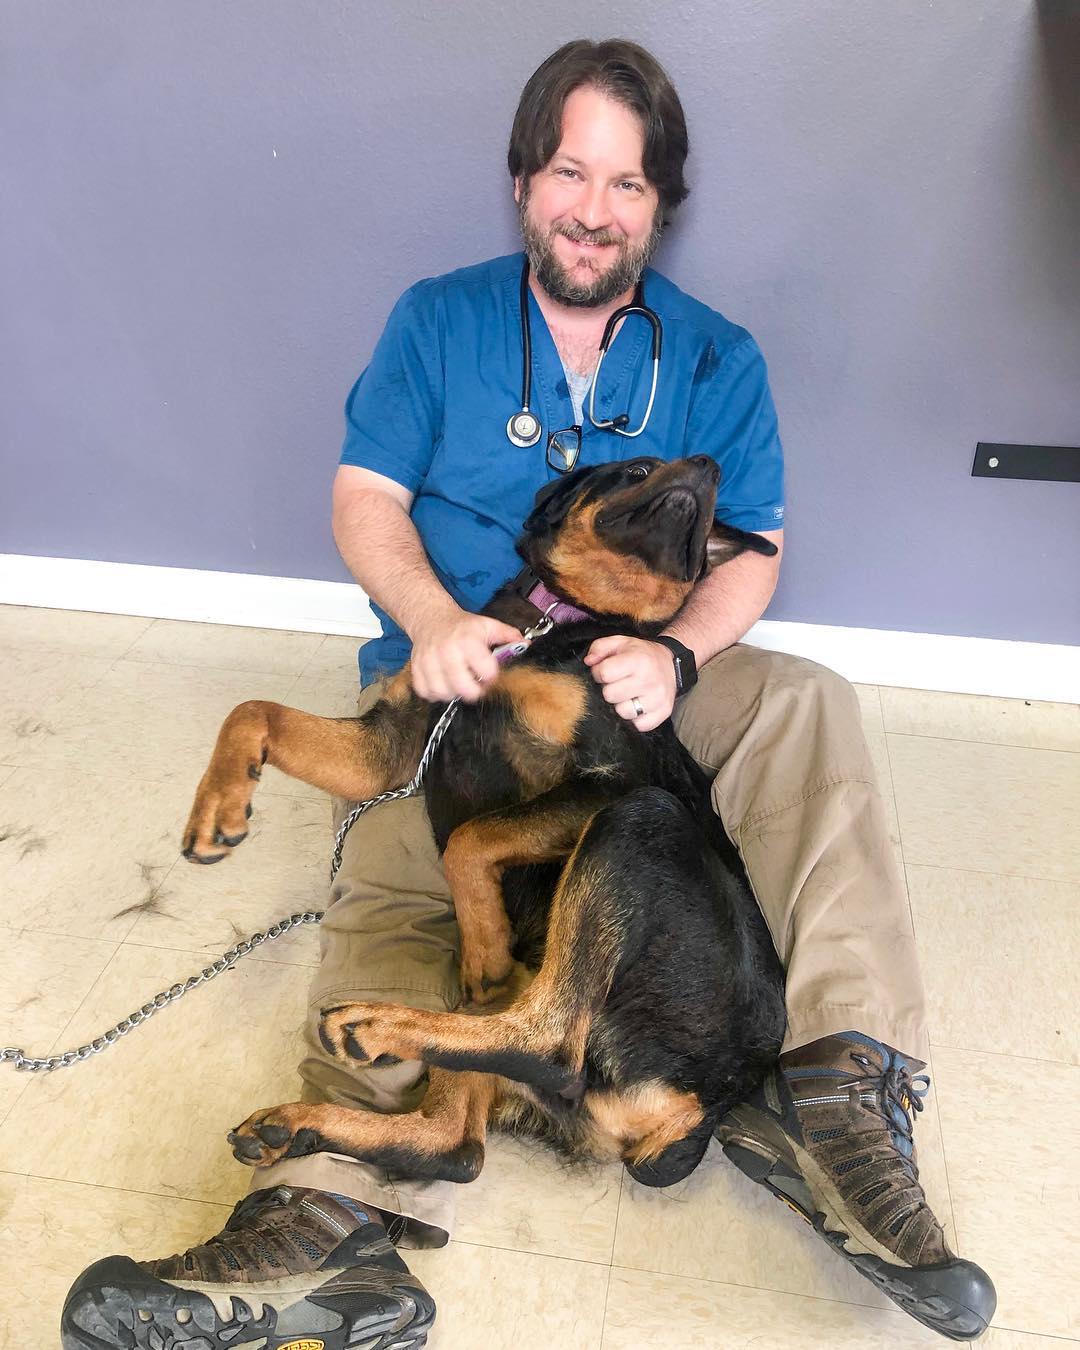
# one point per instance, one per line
(442, 1140)
(353, 757)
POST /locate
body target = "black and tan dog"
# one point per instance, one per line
(589, 873)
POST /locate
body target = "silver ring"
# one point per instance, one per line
(635, 703)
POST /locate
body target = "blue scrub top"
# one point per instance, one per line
(431, 408)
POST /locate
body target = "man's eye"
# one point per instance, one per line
(638, 471)
(635, 187)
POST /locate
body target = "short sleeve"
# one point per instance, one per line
(732, 418)
(394, 413)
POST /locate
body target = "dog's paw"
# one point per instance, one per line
(268, 1136)
(487, 968)
(366, 1033)
(492, 982)
(219, 816)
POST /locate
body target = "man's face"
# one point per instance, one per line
(590, 218)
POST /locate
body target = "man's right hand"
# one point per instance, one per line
(451, 655)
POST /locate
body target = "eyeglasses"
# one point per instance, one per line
(563, 448)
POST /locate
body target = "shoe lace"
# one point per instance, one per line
(898, 1098)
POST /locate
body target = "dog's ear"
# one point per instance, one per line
(726, 542)
(553, 501)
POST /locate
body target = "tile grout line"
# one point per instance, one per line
(891, 1310)
(118, 1190)
(970, 740)
(945, 1156)
(61, 1035)
(611, 1259)
(212, 955)
(150, 623)
(900, 837)
(607, 1299)
(985, 872)
(915, 937)
(1002, 1054)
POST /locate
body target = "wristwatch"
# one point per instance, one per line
(685, 665)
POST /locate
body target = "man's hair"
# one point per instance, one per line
(622, 71)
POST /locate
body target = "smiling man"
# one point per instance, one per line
(479, 392)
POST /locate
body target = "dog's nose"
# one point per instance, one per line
(706, 464)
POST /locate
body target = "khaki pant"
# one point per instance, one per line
(795, 787)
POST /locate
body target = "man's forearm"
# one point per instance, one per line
(726, 604)
(382, 549)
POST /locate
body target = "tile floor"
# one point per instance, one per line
(105, 725)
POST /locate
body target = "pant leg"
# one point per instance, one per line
(796, 789)
(389, 935)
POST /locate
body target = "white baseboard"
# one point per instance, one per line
(1030, 670)
(185, 593)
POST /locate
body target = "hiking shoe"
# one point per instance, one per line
(830, 1133)
(292, 1268)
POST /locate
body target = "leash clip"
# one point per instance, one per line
(540, 629)
(543, 626)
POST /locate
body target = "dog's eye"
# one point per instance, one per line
(638, 471)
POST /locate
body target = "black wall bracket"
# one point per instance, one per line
(1043, 463)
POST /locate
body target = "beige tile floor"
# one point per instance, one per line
(105, 725)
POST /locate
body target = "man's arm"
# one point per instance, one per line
(381, 548)
(721, 609)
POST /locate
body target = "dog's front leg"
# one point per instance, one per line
(353, 757)
(476, 858)
(442, 1140)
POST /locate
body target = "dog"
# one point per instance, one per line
(597, 893)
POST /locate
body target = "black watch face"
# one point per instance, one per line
(685, 667)
(680, 678)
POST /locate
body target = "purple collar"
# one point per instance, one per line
(551, 609)
(558, 611)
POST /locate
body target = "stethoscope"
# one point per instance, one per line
(524, 429)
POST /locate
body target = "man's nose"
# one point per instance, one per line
(592, 208)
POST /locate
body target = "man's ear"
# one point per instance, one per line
(726, 542)
(517, 190)
(553, 501)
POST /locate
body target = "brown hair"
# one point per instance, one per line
(622, 71)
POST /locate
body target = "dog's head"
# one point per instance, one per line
(630, 539)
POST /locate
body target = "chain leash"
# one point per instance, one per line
(48, 1063)
(28, 1064)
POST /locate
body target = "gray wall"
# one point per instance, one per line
(207, 210)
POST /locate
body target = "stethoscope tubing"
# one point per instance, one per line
(530, 429)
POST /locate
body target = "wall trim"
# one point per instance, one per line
(1031, 670)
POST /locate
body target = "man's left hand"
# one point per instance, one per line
(629, 668)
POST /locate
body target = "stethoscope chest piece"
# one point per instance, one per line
(523, 429)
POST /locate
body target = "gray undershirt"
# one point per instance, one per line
(579, 390)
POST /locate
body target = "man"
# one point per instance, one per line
(427, 502)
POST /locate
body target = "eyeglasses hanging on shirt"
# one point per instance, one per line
(523, 429)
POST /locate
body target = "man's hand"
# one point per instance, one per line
(629, 668)
(451, 656)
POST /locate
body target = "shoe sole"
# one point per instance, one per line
(946, 1298)
(115, 1305)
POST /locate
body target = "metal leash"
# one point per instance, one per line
(28, 1064)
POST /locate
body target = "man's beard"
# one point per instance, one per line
(621, 276)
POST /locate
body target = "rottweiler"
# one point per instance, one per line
(603, 910)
